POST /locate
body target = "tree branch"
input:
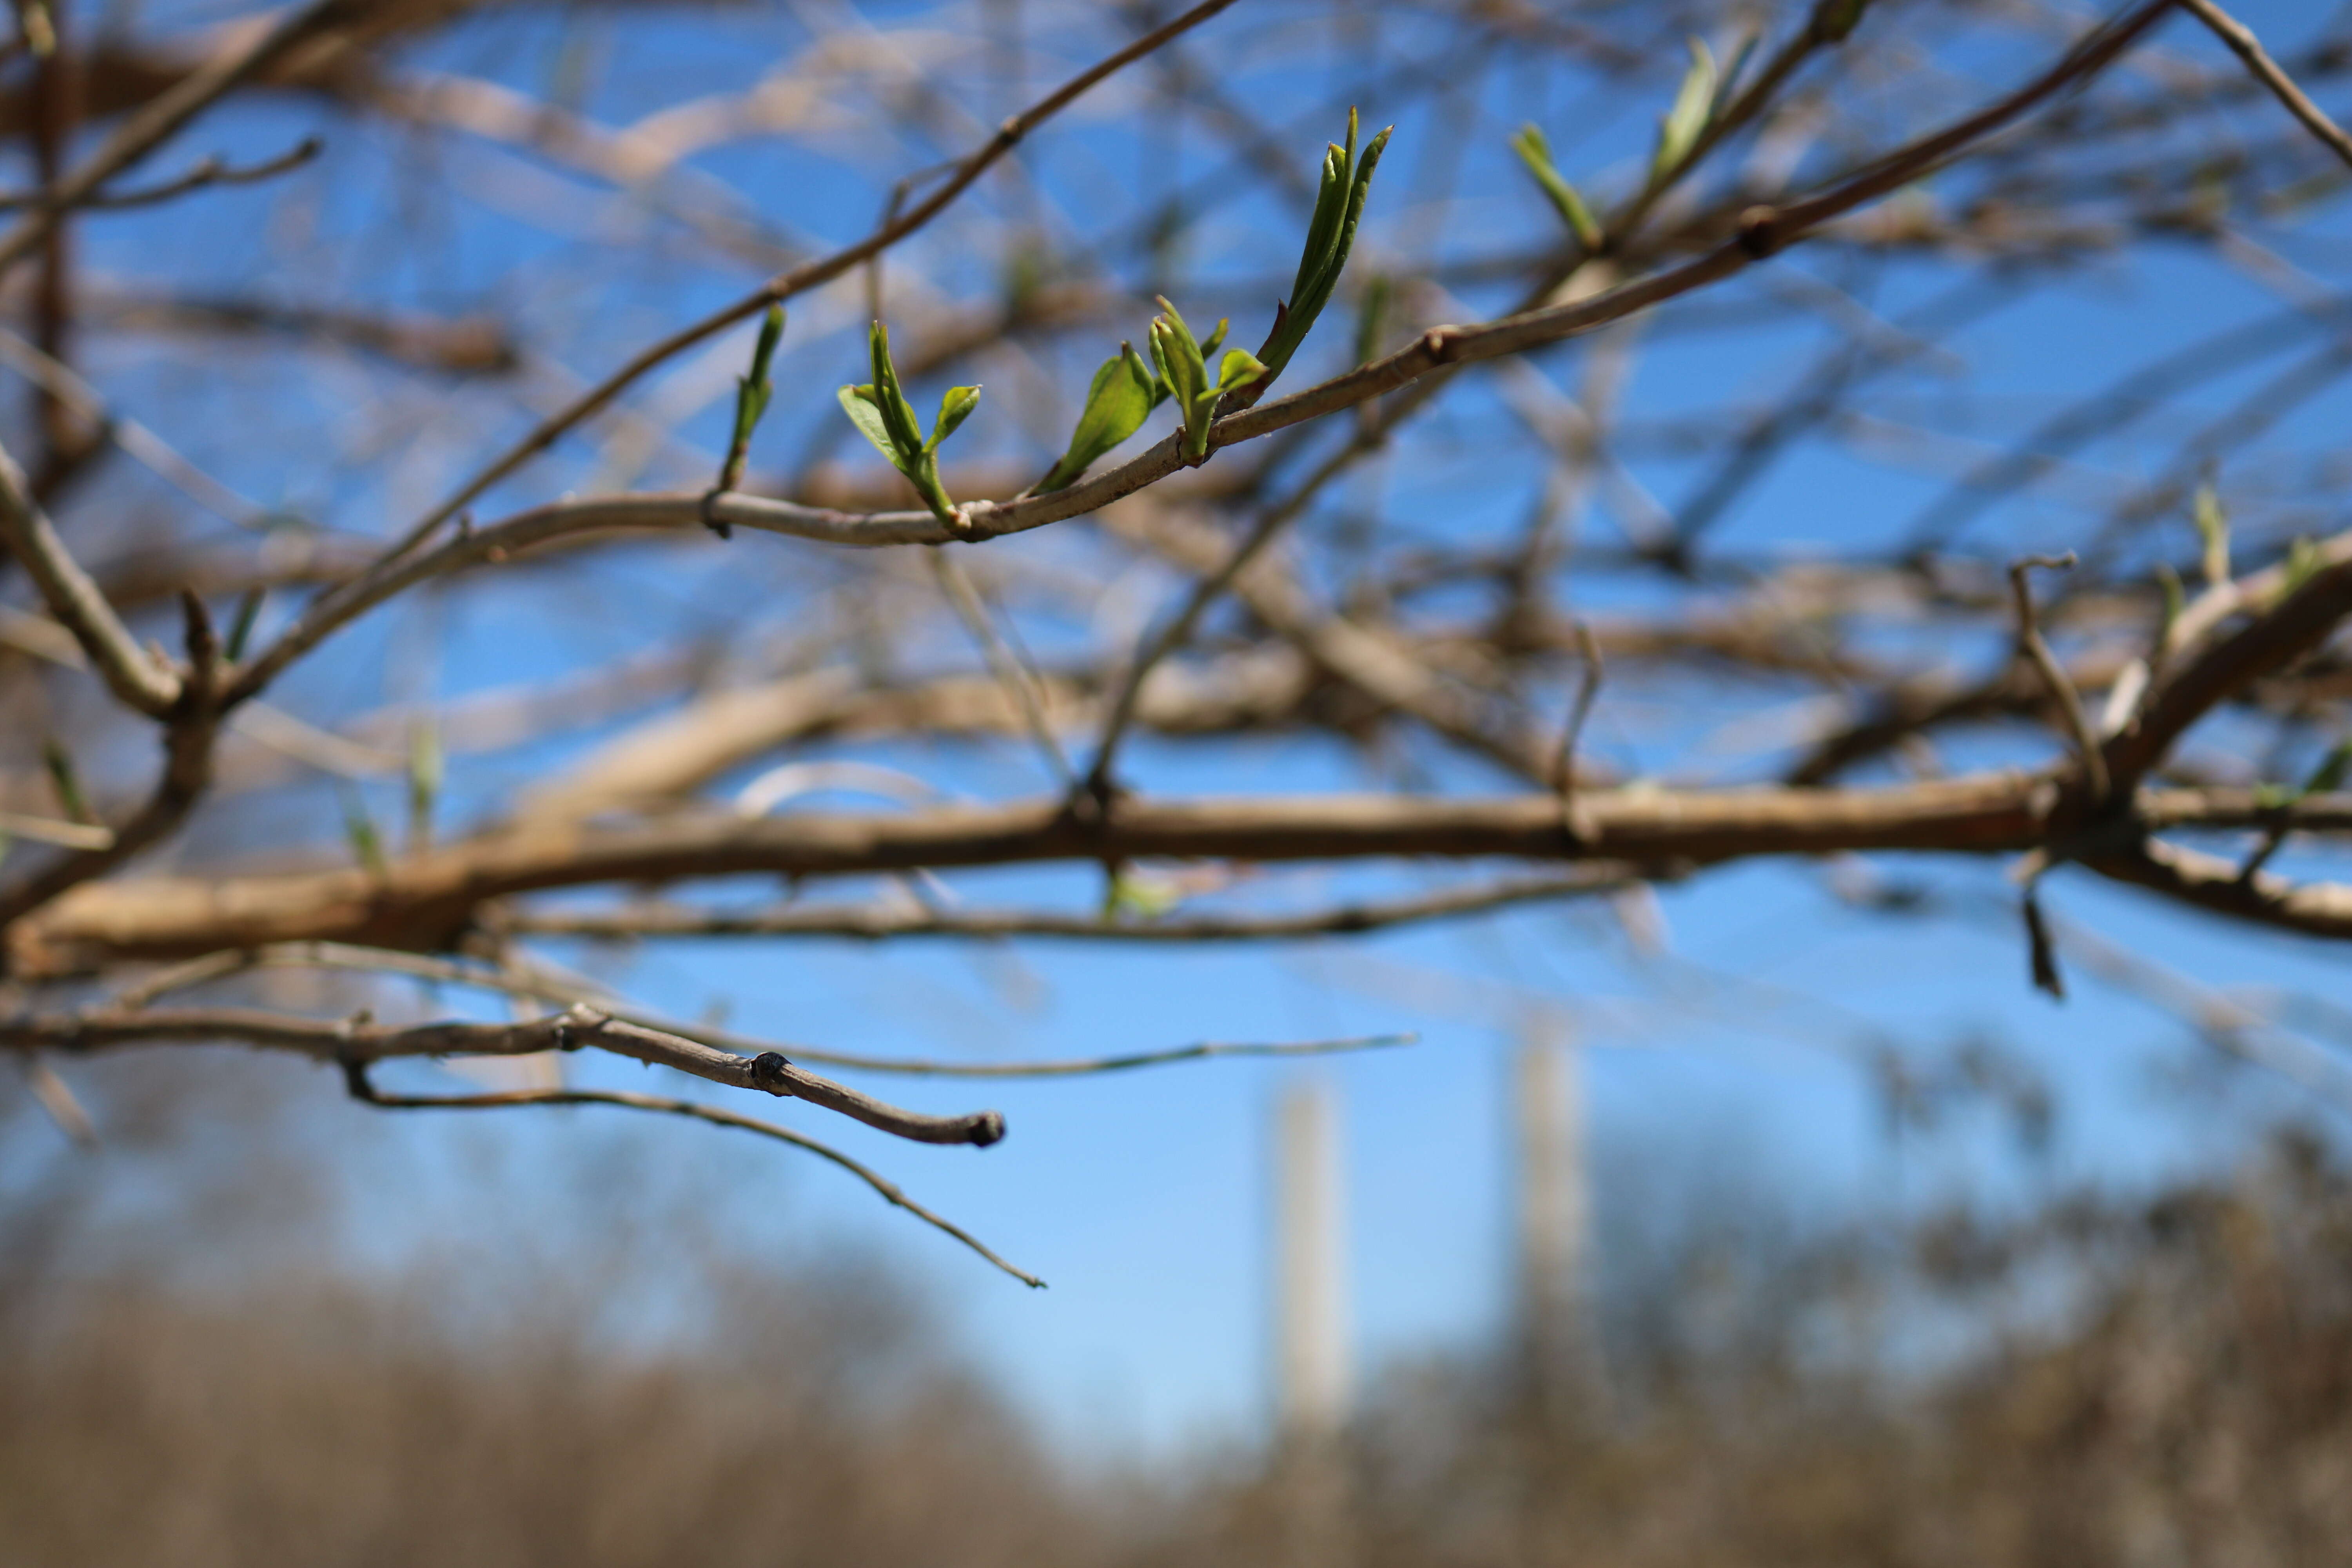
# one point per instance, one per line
(356, 1080)
(2249, 48)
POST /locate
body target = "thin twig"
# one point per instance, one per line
(1564, 764)
(2249, 48)
(1020, 680)
(137, 441)
(876, 922)
(58, 1102)
(356, 1080)
(578, 1026)
(1179, 628)
(2053, 675)
(76, 602)
(207, 172)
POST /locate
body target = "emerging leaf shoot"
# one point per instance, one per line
(883, 416)
(752, 395)
(1331, 234)
(1184, 364)
(1694, 107)
(1535, 152)
(2213, 532)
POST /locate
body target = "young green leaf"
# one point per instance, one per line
(2213, 530)
(1122, 395)
(2303, 560)
(955, 406)
(1238, 369)
(1535, 152)
(1371, 319)
(359, 831)
(1680, 129)
(866, 412)
(66, 779)
(1184, 364)
(2175, 601)
(1331, 211)
(240, 630)
(425, 771)
(2328, 776)
(898, 414)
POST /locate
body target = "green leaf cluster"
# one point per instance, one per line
(1124, 392)
(1339, 206)
(1184, 362)
(1535, 152)
(883, 416)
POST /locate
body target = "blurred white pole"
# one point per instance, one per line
(1310, 1330)
(1310, 1308)
(1554, 1210)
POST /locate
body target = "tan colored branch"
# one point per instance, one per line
(2249, 48)
(76, 601)
(2053, 674)
(2295, 625)
(2212, 882)
(870, 922)
(428, 902)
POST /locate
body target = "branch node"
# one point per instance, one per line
(1760, 232)
(710, 520)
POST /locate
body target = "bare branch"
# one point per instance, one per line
(206, 172)
(356, 1080)
(2249, 48)
(877, 924)
(2053, 676)
(76, 601)
(2282, 632)
(578, 1026)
